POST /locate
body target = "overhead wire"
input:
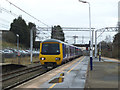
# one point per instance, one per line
(15, 15)
(10, 12)
(39, 29)
(27, 13)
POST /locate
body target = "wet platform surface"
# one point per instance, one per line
(73, 77)
(105, 74)
(69, 75)
(77, 74)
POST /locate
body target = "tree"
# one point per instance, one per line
(57, 33)
(118, 27)
(19, 26)
(106, 48)
(116, 46)
(30, 26)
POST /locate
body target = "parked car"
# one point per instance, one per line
(24, 52)
(7, 51)
(14, 51)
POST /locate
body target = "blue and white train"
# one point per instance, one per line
(55, 52)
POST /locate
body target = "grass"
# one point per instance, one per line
(11, 45)
(16, 60)
(21, 60)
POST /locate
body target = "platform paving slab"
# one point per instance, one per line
(73, 79)
(105, 74)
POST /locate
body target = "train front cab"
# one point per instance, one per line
(51, 54)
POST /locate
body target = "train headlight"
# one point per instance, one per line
(57, 58)
(42, 58)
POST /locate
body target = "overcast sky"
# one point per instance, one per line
(66, 13)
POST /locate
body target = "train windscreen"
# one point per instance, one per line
(50, 49)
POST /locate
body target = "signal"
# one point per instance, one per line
(87, 48)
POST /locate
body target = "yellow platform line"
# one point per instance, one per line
(67, 72)
(53, 85)
(76, 65)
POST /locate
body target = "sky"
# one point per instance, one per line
(119, 11)
(66, 13)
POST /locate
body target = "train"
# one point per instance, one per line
(55, 52)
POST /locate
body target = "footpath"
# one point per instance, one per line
(105, 74)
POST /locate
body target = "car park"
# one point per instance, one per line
(7, 51)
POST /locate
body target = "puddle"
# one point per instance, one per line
(59, 79)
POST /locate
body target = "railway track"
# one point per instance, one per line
(12, 79)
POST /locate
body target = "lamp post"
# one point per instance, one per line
(17, 41)
(18, 53)
(31, 43)
(90, 33)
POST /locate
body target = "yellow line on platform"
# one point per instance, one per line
(76, 65)
(53, 85)
(67, 72)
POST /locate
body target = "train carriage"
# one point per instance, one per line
(55, 52)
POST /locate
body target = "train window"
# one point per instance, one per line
(50, 49)
(66, 50)
(71, 51)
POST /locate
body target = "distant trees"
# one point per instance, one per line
(19, 26)
(118, 27)
(57, 33)
(116, 46)
(111, 49)
(106, 48)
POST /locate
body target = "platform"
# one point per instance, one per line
(70, 75)
(105, 74)
(77, 74)
(74, 76)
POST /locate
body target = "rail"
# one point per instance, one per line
(12, 79)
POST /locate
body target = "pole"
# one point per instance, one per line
(31, 44)
(18, 48)
(95, 44)
(82, 39)
(18, 51)
(17, 41)
(91, 43)
(100, 52)
(91, 67)
(75, 37)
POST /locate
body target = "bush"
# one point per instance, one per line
(9, 37)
